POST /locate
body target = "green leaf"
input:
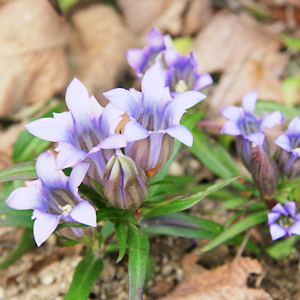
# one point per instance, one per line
(289, 113)
(183, 44)
(233, 203)
(138, 246)
(185, 203)
(64, 5)
(111, 213)
(107, 230)
(25, 244)
(86, 272)
(293, 43)
(13, 217)
(70, 224)
(237, 228)
(282, 249)
(25, 170)
(290, 88)
(121, 234)
(150, 269)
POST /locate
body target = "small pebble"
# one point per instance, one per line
(48, 279)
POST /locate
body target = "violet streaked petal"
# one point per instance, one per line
(231, 128)
(68, 156)
(84, 213)
(24, 198)
(136, 58)
(249, 100)
(44, 226)
(232, 113)
(273, 217)
(284, 142)
(293, 128)
(134, 131)
(203, 80)
(275, 118)
(77, 175)
(155, 39)
(257, 137)
(96, 108)
(49, 129)
(113, 141)
(277, 231)
(111, 117)
(181, 133)
(278, 208)
(290, 207)
(294, 229)
(171, 57)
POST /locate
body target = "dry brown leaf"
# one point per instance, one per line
(227, 282)
(247, 57)
(97, 46)
(33, 65)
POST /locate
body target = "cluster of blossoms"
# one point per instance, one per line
(253, 150)
(89, 141)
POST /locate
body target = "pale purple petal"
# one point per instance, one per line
(96, 107)
(284, 142)
(136, 57)
(293, 128)
(134, 131)
(278, 208)
(77, 175)
(155, 146)
(49, 129)
(277, 231)
(232, 113)
(113, 141)
(68, 156)
(231, 128)
(294, 229)
(249, 100)
(256, 138)
(290, 207)
(203, 80)
(181, 133)
(171, 57)
(24, 198)
(44, 226)
(111, 117)
(155, 39)
(273, 217)
(84, 213)
(275, 118)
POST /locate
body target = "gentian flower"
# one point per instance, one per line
(182, 74)
(289, 158)
(125, 183)
(53, 197)
(288, 220)
(154, 119)
(243, 123)
(85, 126)
(142, 59)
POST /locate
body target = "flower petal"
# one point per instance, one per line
(171, 57)
(293, 128)
(136, 58)
(181, 133)
(84, 213)
(155, 39)
(203, 80)
(134, 131)
(44, 226)
(256, 138)
(113, 141)
(277, 231)
(278, 208)
(249, 100)
(232, 113)
(275, 118)
(294, 229)
(284, 142)
(273, 217)
(77, 175)
(290, 207)
(231, 128)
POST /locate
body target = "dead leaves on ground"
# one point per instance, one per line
(227, 282)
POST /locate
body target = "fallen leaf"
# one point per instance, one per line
(246, 56)
(227, 282)
(33, 65)
(97, 48)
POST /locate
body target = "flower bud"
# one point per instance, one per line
(289, 164)
(125, 183)
(264, 171)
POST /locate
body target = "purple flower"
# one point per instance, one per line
(288, 221)
(53, 197)
(182, 74)
(154, 119)
(85, 126)
(289, 159)
(141, 59)
(242, 122)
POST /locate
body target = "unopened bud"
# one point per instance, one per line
(289, 164)
(264, 171)
(125, 183)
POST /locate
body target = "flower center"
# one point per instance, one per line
(286, 221)
(181, 86)
(65, 209)
(297, 150)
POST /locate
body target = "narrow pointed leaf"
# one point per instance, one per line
(121, 234)
(237, 228)
(13, 217)
(86, 272)
(25, 170)
(25, 244)
(283, 248)
(138, 246)
(185, 203)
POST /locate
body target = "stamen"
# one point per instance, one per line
(181, 86)
(65, 209)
